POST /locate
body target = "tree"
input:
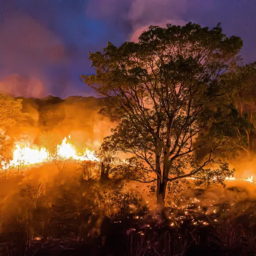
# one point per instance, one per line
(10, 112)
(11, 116)
(173, 93)
(50, 140)
(245, 99)
(107, 156)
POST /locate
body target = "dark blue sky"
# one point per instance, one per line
(44, 44)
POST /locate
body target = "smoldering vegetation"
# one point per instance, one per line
(65, 208)
(71, 211)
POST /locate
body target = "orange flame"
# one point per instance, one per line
(33, 155)
(66, 150)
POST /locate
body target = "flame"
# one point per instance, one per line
(26, 155)
(230, 178)
(66, 150)
(249, 179)
(31, 155)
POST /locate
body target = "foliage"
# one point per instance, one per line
(108, 158)
(11, 117)
(245, 102)
(10, 112)
(171, 89)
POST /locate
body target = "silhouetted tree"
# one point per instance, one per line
(175, 85)
(108, 158)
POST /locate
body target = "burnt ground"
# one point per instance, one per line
(146, 234)
(70, 219)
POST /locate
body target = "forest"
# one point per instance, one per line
(160, 162)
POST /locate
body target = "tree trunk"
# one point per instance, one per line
(161, 191)
(161, 183)
(104, 171)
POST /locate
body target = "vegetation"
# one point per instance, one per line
(245, 104)
(11, 117)
(182, 106)
(69, 214)
(173, 93)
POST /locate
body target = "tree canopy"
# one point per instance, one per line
(173, 92)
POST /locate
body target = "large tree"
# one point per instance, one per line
(173, 93)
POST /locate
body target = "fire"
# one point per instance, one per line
(249, 179)
(230, 178)
(66, 151)
(27, 155)
(31, 155)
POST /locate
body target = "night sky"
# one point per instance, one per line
(44, 44)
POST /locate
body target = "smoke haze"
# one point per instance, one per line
(44, 45)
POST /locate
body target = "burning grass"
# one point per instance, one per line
(48, 213)
(45, 211)
(26, 155)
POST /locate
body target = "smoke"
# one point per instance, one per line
(244, 165)
(75, 116)
(137, 15)
(27, 50)
(46, 43)
(145, 12)
(136, 34)
(16, 85)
